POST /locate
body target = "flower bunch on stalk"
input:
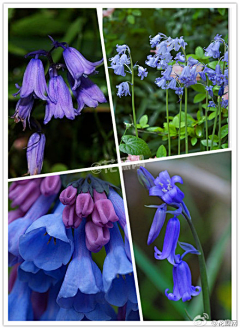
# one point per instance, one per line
(56, 95)
(166, 189)
(53, 235)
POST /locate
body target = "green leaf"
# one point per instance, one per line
(155, 129)
(200, 88)
(199, 131)
(194, 141)
(175, 122)
(199, 97)
(212, 116)
(59, 167)
(204, 143)
(225, 145)
(137, 12)
(221, 11)
(224, 131)
(199, 52)
(143, 121)
(134, 146)
(161, 152)
(213, 64)
(131, 19)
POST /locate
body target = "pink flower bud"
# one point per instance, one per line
(70, 218)
(50, 185)
(96, 236)
(104, 213)
(15, 214)
(68, 196)
(98, 196)
(84, 204)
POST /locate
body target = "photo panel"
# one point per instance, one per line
(169, 78)
(180, 218)
(69, 254)
(59, 112)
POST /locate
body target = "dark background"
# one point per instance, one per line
(207, 189)
(133, 27)
(69, 144)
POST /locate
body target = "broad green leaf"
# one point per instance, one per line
(224, 131)
(212, 116)
(199, 131)
(199, 97)
(144, 120)
(204, 142)
(131, 19)
(137, 12)
(175, 122)
(161, 152)
(225, 146)
(200, 88)
(221, 11)
(199, 52)
(134, 146)
(194, 141)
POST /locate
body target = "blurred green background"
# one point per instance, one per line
(207, 189)
(69, 144)
(133, 27)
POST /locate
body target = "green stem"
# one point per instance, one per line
(206, 116)
(203, 269)
(186, 134)
(167, 113)
(179, 132)
(214, 125)
(219, 123)
(133, 103)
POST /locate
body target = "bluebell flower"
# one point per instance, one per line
(180, 57)
(19, 303)
(78, 65)
(81, 292)
(179, 91)
(34, 80)
(37, 279)
(172, 84)
(142, 72)
(19, 226)
(23, 110)
(155, 40)
(118, 280)
(152, 60)
(192, 61)
(124, 59)
(211, 104)
(182, 282)
(225, 59)
(170, 241)
(87, 94)
(162, 48)
(52, 306)
(185, 75)
(166, 189)
(62, 104)
(35, 153)
(122, 48)
(118, 69)
(46, 242)
(209, 90)
(213, 49)
(145, 178)
(161, 82)
(224, 103)
(123, 89)
(157, 224)
(167, 73)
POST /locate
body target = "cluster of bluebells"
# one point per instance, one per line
(119, 63)
(56, 95)
(52, 236)
(180, 72)
(165, 188)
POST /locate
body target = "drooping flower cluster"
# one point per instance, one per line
(165, 188)
(123, 61)
(54, 276)
(56, 94)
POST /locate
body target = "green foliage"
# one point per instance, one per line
(135, 146)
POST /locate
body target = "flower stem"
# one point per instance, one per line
(206, 116)
(133, 103)
(186, 134)
(214, 125)
(203, 269)
(179, 132)
(167, 113)
(219, 123)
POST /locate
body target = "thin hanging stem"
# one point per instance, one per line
(133, 103)
(206, 116)
(179, 132)
(186, 134)
(203, 269)
(214, 125)
(167, 113)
